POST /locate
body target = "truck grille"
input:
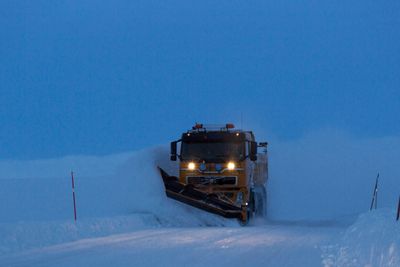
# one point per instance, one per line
(211, 180)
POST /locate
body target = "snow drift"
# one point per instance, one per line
(114, 194)
(373, 240)
(117, 185)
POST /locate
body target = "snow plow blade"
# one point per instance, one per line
(199, 199)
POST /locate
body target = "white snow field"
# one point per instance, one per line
(319, 196)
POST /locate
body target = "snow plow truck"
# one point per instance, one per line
(220, 171)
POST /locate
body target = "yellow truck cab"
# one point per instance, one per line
(220, 171)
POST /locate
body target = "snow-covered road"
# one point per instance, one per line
(269, 245)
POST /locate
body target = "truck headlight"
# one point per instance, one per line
(231, 166)
(191, 166)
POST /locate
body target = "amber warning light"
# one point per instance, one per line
(198, 126)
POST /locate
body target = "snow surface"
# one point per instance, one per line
(316, 193)
(206, 246)
(373, 240)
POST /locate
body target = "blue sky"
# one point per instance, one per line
(100, 77)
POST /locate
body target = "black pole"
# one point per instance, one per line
(374, 202)
(73, 193)
(398, 210)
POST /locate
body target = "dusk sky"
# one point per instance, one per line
(101, 77)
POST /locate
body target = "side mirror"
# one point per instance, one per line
(253, 151)
(173, 151)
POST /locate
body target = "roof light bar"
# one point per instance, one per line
(198, 126)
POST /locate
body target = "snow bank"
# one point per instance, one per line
(116, 185)
(113, 194)
(373, 240)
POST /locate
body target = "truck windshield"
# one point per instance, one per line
(213, 152)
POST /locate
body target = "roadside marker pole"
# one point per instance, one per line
(374, 202)
(398, 211)
(73, 194)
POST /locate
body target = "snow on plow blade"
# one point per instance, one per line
(199, 199)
